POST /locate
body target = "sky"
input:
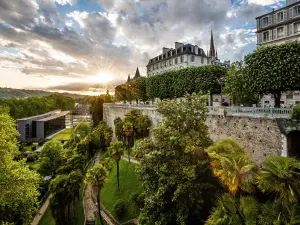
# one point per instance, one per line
(88, 46)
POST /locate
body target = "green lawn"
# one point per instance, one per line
(128, 185)
(64, 135)
(47, 218)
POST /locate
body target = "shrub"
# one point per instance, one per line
(41, 143)
(296, 112)
(33, 148)
(32, 157)
(119, 208)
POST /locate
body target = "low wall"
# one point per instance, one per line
(260, 137)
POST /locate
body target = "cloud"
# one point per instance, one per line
(264, 2)
(47, 41)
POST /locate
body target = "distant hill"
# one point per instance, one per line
(22, 93)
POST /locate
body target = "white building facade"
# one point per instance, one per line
(279, 26)
(183, 56)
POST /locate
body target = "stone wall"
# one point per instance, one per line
(260, 137)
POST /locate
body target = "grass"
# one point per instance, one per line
(47, 218)
(128, 185)
(64, 135)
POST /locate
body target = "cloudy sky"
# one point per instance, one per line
(76, 45)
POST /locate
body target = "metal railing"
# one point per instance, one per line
(231, 110)
(251, 111)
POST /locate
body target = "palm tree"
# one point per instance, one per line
(232, 165)
(116, 151)
(97, 176)
(129, 131)
(234, 211)
(281, 176)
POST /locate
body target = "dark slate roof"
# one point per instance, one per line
(187, 49)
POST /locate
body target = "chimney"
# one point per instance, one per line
(178, 45)
(165, 50)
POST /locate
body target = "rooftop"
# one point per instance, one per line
(273, 11)
(54, 116)
(46, 116)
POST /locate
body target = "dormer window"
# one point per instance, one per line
(279, 17)
(296, 10)
(265, 21)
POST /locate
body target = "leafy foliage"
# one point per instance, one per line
(119, 129)
(236, 87)
(266, 72)
(296, 113)
(101, 135)
(234, 211)
(20, 108)
(19, 185)
(179, 187)
(232, 165)
(280, 175)
(51, 157)
(119, 208)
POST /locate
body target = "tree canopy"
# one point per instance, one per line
(273, 69)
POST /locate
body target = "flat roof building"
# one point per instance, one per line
(42, 126)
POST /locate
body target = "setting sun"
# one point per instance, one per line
(102, 77)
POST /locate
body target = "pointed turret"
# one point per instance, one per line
(212, 52)
(128, 79)
(137, 74)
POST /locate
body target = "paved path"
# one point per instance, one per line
(125, 158)
(42, 210)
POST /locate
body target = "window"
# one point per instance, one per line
(192, 58)
(280, 17)
(161, 65)
(265, 21)
(153, 67)
(181, 58)
(176, 60)
(170, 62)
(157, 66)
(266, 36)
(202, 60)
(280, 32)
(297, 28)
(267, 102)
(166, 63)
(297, 10)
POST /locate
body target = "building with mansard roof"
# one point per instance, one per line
(183, 56)
(279, 26)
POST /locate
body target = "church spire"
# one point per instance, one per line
(137, 74)
(212, 52)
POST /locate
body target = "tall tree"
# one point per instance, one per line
(18, 184)
(101, 135)
(116, 151)
(51, 157)
(175, 172)
(96, 109)
(97, 176)
(119, 133)
(267, 74)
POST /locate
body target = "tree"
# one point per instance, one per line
(101, 135)
(267, 73)
(97, 176)
(120, 93)
(81, 131)
(232, 165)
(236, 86)
(129, 132)
(51, 157)
(296, 113)
(234, 211)
(139, 89)
(175, 172)
(18, 184)
(116, 151)
(96, 109)
(280, 175)
(119, 133)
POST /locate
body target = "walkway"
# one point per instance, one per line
(42, 210)
(133, 160)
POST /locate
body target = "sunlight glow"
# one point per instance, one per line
(102, 78)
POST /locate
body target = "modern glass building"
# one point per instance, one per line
(42, 126)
